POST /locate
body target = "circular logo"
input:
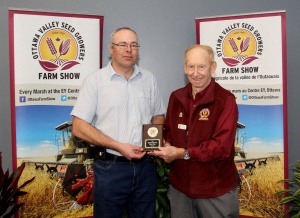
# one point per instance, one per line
(58, 45)
(203, 114)
(152, 132)
(58, 49)
(239, 44)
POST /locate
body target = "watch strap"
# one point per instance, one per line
(186, 154)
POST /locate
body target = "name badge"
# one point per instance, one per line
(182, 126)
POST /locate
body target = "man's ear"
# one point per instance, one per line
(213, 67)
(184, 67)
(110, 49)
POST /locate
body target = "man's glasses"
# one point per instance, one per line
(123, 45)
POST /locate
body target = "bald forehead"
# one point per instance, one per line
(197, 51)
(197, 54)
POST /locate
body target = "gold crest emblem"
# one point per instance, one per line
(204, 113)
(152, 132)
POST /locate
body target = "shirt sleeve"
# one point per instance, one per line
(158, 104)
(86, 104)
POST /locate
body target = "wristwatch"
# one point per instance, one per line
(186, 155)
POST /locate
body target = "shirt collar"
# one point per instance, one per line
(112, 72)
(199, 94)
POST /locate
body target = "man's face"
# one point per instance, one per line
(199, 68)
(124, 58)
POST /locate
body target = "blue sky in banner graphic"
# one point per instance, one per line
(35, 129)
(264, 128)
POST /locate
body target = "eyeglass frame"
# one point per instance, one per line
(124, 45)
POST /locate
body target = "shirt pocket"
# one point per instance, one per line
(146, 103)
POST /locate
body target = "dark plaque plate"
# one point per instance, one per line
(152, 136)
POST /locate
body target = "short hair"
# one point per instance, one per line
(119, 29)
(207, 48)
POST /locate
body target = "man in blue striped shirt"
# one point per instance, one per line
(112, 106)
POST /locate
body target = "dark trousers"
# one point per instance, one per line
(124, 185)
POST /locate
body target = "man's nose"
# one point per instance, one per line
(128, 48)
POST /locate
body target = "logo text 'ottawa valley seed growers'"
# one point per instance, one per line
(239, 44)
(57, 46)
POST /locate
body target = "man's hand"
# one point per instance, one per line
(168, 153)
(131, 151)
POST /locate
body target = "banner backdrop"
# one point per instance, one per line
(51, 53)
(250, 51)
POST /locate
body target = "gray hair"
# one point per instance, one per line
(119, 29)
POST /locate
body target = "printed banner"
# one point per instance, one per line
(51, 53)
(250, 51)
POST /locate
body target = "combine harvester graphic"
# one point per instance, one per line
(245, 165)
(73, 169)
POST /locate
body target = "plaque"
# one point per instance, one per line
(152, 136)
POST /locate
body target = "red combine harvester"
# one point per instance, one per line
(72, 170)
(74, 186)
